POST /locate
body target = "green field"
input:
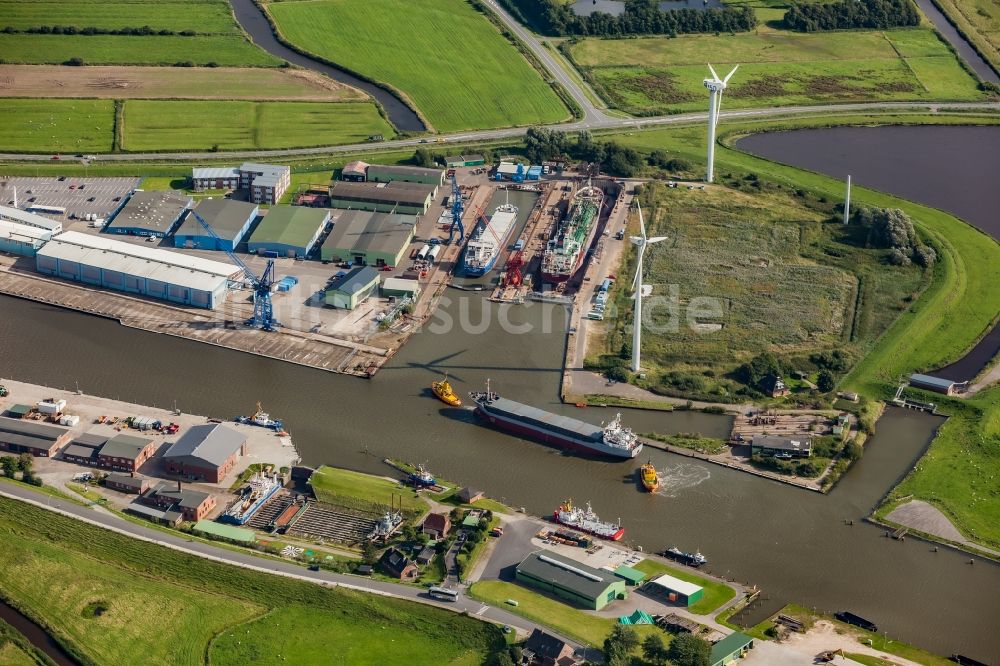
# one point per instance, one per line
(715, 596)
(658, 74)
(342, 486)
(179, 125)
(16, 650)
(57, 125)
(203, 16)
(159, 606)
(980, 21)
(447, 58)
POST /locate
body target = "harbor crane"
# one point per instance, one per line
(457, 208)
(263, 312)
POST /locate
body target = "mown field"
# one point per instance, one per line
(287, 85)
(57, 125)
(454, 65)
(340, 486)
(180, 125)
(980, 21)
(658, 74)
(203, 16)
(162, 607)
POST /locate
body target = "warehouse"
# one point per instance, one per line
(366, 238)
(215, 178)
(265, 182)
(289, 231)
(149, 214)
(206, 452)
(394, 197)
(135, 268)
(20, 239)
(780, 446)
(229, 219)
(676, 590)
(378, 173)
(937, 384)
(401, 288)
(355, 172)
(30, 219)
(351, 289)
(729, 649)
(464, 161)
(38, 439)
(570, 580)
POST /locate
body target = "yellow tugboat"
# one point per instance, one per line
(444, 392)
(650, 479)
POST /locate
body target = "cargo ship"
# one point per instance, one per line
(611, 440)
(445, 393)
(695, 559)
(568, 247)
(488, 240)
(650, 479)
(587, 521)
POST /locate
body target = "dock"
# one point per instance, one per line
(534, 237)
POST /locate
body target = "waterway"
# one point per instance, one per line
(36, 635)
(253, 21)
(951, 168)
(952, 36)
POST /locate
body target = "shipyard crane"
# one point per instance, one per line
(457, 208)
(513, 276)
(263, 313)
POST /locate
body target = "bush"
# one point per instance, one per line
(825, 381)
(619, 374)
(75, 61)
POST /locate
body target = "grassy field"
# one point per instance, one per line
(715, 596)
(164, 607)
(16, 650)
(179, 125)
(57, 125)
(567, 620)
(203, 16)
(447, 58)
(335, 486)
(980, 21)
(287, 85)
(658, 74)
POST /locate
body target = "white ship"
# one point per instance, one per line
(587, 521)
(488, 240)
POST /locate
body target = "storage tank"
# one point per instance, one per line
(433, 254)
(424, 251)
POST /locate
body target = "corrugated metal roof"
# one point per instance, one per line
(20, 426)
(366, 231)
(23, 232)
(400, 284)
(675, 585)
(356, 280)
(215, 172)
(929, 380)
(30, 219)
(290, 225)
(209, 444)
(402, 170)
(412, 194)
(550, 566)
(225, 216)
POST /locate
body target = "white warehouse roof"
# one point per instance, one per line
(13, 230)
(676, 585)
(30, 219)
(151, 263)
(215, 172)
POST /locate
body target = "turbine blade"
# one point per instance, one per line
(730, 75)
(714, 75)
(656, 239)
(642, 223)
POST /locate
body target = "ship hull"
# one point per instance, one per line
(614, 536)
(556, 278)
(478, 271)
(556, 440)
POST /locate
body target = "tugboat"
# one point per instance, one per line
(650, 479)
(445, 393)
(695, 559)
(421, 478)
(260, 418)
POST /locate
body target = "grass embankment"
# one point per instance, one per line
(16, 650)
(979, 22)
(57, 125)
(164, 607)
(571, 622)
(715, 596)
(212, 34)
(344, 487)
(658, 74)
(451, 62)
(695, 442)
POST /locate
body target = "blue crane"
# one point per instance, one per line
(457, 208)
(263, 313)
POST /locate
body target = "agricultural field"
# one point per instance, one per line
(980, 21)
(181, 125)
(656, 75)
(288, 85)
(447, 58)
(339, 486)
(202, 16)
(56, 125)
(112, 599)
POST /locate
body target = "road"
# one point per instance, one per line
(110, 521)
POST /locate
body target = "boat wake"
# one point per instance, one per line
(675, 478)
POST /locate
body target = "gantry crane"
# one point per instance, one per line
(263, 312)
(457, 208)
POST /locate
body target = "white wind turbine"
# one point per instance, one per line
(641, 243)
(715, 87)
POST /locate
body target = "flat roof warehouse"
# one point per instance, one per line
(413, 194)
(150, 213)
(364, 231)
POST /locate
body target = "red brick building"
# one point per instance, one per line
(38, 439)
(170, 496)
(205, 452)
(437, 525)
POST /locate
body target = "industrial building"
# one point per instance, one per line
(38, 439)
(137, 269)
(464, 161)
(401, 288)
(355, 172)
(781, 446)
(149, 214)
(676, 590)
(366, 238)
(393, 197)
(169, 502)
(729, 649)
(205, 452)
(215, 178)
(266, 183)
(571, 580)
(350, 290)
(18, 216)
(229, 219)
(124, 453)
(378, 173)
(289, 231)
(937, 384)
(126, 483)
(20, 239)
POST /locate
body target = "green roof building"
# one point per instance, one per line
(352, 289)
(730, 648)
(393, 197)
(464, 161)
(367, 238)
(378, 173)
(289, 231)
(211, 528)
(632, 577)
(570, 580)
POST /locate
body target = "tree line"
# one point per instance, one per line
(640, 17)
(851, 14)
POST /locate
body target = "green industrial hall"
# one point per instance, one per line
(570, 580)
(366, 238)
(353, 288)
(288, 231)
(378, 173)
(393, 197)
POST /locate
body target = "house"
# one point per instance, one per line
(353, 288)
(426, 555)
(205, 452)
(543, 649)
(125, 453)
(171, 497)
(780, 446)
(126, 483)
(395, 564)
(730, 648)
(38, 439)
(469, 495)
(774, 386)
(437, 525)
(570, 580)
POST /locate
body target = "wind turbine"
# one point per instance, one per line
(641, 243)
(715, 87)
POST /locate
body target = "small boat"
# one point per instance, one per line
(260, 418)
(650, 479)
(421, 478)
(445, 393)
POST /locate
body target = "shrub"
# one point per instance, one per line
(75, 61)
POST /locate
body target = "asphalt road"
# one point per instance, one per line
(179, 543)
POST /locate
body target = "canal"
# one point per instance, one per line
(36, 635)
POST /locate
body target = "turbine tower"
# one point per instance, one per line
(641, 243)
(847, 201)
(715, 87)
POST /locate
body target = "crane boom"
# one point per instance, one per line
(457, 208)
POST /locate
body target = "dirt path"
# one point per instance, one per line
(927, 518)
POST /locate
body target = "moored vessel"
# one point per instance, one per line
(260, 418)
(421, 478)
(445, 393)
(650, 479)
(568, 246)
(695, 559)
(488, 240)
(587, 521)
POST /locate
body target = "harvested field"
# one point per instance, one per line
(291, 85)
(201, 16)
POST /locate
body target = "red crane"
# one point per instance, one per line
(512, 272)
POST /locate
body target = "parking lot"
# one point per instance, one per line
(79, 196)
